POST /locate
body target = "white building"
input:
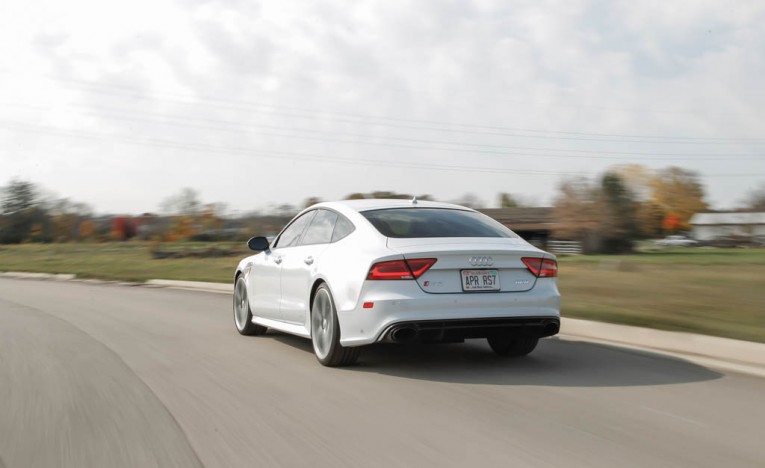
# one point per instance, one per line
(711, 226)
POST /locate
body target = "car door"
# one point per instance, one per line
(299, 267)
(264, 280)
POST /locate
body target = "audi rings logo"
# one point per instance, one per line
(481, 261)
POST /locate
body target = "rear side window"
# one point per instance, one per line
(343, 227)
(435, 222)
(320, 230)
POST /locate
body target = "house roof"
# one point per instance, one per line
(707, 219)
(538, 218)
(520, 215)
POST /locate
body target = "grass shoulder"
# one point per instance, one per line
(717, 292)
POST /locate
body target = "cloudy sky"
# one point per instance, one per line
(122, 104)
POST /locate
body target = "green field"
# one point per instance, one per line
(126, 261)
(712, 291)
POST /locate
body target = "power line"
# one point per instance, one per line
(391, 122)
(587, 154)
(460, 146)
(275, 154)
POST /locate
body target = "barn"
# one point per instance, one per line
(533, 224)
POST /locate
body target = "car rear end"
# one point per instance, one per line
(449, 288)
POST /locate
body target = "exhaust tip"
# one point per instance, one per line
(550, 328)
(403, 334)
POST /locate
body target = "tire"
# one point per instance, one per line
(242, 312)
(509, 346)
(325, 332)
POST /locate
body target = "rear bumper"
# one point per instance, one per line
(460, 329)
(443, 317)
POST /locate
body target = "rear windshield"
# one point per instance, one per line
(434, 222)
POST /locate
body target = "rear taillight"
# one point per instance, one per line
(400, 269)
(541, 267)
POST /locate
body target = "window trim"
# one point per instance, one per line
(300, 237)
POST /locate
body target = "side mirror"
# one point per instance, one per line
(258, 244)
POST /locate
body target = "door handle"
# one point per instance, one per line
(278, 260)
(308, 261)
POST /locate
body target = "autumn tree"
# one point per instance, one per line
(578, 209)
(600, 216)
(649, 217)
(184, 209)
(211, 217)
(679, 193)
(86, 229)
(637, 178)
(666, 198)
(66, 218)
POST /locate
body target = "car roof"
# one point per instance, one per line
(379, 203)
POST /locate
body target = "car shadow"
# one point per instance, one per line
(555, 362)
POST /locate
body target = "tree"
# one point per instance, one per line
(211, 219)
(577, 212)
(649, 217)
(756, 199)
(19, 196)
(470, 200)
(507, 201)
(66, 218)
(22, 216)
(184, 203)
(86, 229)
(618, 224)
(386, 195)
(666, 198)
(311, 201)
(600, 216)
(285, 210)
(637, 179)
(679, 193)
(186, 211)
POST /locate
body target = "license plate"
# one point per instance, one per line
(480, 280)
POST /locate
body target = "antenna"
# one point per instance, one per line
(414, 200)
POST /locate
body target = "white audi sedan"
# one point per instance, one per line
(351, 273)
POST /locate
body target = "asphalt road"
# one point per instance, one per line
(105, 375)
